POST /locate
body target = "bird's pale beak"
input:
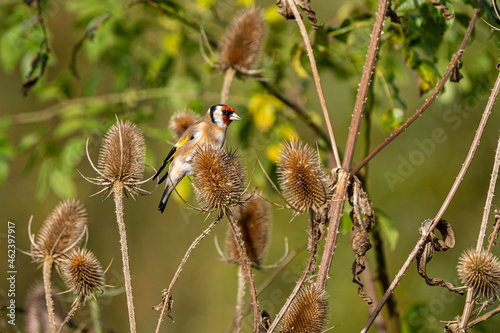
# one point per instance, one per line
(234, 116)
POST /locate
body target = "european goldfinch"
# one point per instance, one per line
(211, 129)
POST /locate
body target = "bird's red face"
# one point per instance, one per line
(228, 114)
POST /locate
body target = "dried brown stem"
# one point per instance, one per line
(314, 69)
(118, 198)
(496, 229)
(484, 317)
(47, 272)
(453, 63)
(294, 292)
(469, 302)
(75, 307)
(167, 294)
(240, 296)
(245, 263)
(270, 279)
(442, 210)
(228, 78)
(489, 199)
(340, 194)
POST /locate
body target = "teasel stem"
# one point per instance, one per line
(245, 263)
(75, 307)
(47, 273)
(239, 300)
(312, 60)
(469, 302)
(228, 78)
(95, 314)
(294, 292)
(118, 197)
(167, 294)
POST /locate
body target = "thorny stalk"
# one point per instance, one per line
(246, 268)
(295, 290)
(240, 296)
(166, 303)
(75, 307)
(340, 194)
(270, 279)
(310, 54)
(442, 210)
(228, 78)
(118, 197)
(47, 272)
(469, 302)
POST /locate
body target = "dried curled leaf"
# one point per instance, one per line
(496, 229)
(432, 245)
(363, 220)
(442, 7)
(305, 5)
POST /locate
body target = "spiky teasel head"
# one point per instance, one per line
(253, 220)
(219, 177)
(308, 312)
(480, 271)
(121, 159)
(82, 273)
(301, 177)
(62, 230)
(242, 41)
(36, 318)
(181, 120)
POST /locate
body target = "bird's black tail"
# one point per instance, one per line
(164, 199)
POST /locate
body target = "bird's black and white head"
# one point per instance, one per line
(222, 115)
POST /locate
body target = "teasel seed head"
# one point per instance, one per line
(181, 120)
(62, 230)
(82, 273)
(219, 177)
(301, 177)
(308, 313)
(36, 319)
(122, 155)
(480, 271)
(242, 41)
(253, 220)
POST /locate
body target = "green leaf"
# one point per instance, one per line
(42, 186)
(393, 119)
(429, 76)
(389, 233)
(62, 184)
(73, 152)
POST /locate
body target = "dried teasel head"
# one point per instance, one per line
(181, 120)
(36, 318)
(253, 220)
(82, 273)
(480, 271)
(121, 158)
(242, 42)
(219, 177)
(308, 313)
(301, 177)
(62, 230)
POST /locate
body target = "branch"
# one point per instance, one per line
(340, 194)
(167, 300)
(451, 67)
(442, 210)
(310, 54)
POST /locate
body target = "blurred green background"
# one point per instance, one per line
(142, 63)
